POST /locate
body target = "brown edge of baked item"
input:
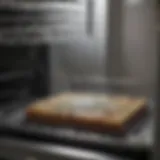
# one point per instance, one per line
(98, 125)
(115, 128)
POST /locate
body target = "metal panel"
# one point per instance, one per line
(139, 55)
(156, 146)
(79, 56)
(19, 149)
(77, 33)
(39, 5)
(64, 22)
(87, 57)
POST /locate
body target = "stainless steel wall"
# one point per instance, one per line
(89, 56)
(85, 55)
(140, 43)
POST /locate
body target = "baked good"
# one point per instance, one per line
(101, 112)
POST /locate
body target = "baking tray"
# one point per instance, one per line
(139, 138)
(22, 149)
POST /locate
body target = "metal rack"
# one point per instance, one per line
(42, 22)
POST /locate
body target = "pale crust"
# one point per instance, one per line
(61, 109)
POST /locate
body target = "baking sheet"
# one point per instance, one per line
(21, 149)
(140, 137)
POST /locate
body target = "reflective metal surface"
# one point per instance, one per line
(139, 138)
(38, 5)
(35, 23)
(60, 22)
(11, 149)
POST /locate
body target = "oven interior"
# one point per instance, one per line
(58, 46)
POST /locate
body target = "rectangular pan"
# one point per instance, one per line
(14, 123)
(21, 149)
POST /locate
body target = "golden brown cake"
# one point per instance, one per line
(100, 112)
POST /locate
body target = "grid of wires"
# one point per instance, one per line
(38, 22)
